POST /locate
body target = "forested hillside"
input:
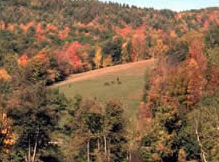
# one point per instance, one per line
(181, 106)
(55, 38)
(44, 41)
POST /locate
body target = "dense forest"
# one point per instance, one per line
(76, 36)
(44, 41)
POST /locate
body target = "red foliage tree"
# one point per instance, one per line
(23, 60)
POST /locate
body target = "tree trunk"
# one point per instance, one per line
(28, 158)
(98, 143)
(108, 157)
(88, 151)
(34, 152)
(199, 142)
(105, 145)
(35, 145)
(130, 157)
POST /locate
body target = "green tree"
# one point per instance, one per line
(205, 121)
(35, 113)
(85, 127)
(113, 48)
(11, 64)
(97, 132)
(115, 124)
(36, 70)
(178, 53)
(211, 38)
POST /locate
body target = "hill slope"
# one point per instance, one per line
(103, 84)
(117, 69)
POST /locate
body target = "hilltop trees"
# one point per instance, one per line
(75, 31)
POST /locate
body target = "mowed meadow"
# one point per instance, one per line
(123, 82)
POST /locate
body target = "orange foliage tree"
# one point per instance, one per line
(4, 75)
(5, 131)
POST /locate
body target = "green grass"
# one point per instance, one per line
(129, 92)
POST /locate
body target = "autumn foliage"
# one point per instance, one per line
(76, 39)
(176, 88)
(44, 41)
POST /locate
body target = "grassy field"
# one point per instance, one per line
(104, 85)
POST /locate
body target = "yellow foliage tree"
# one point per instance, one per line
(160, 48)
(126, 51)
(6, 136)
(108, 61)
(98, 57)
